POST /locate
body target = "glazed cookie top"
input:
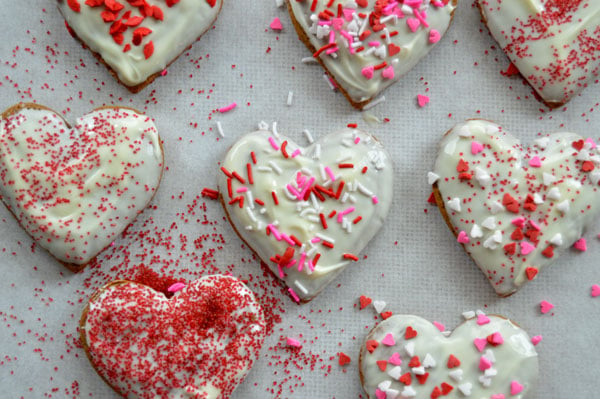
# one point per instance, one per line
(139, 38)
(485, 357)
(201, 343)
(366, 44)
(74, 190)
(554, 44)
(515, 209)
(307, 212)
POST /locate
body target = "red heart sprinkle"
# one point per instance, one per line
(406, 379)
(410, 333)
(510, 203)
(578, 145)
(393, 49)
(364, 301)
(453, 362)
(422, 378)
(386, 315)
(517, 234)
(531, 272)
(436, 393)
(344, 359)
(382, 364)
(510, 248)
(462, 166)
(414, 362)
(372, 345)
(446, 388)
(548, 253)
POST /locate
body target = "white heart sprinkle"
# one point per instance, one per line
(557, 240)
(489, 223)
(454, 204)
(379, 306)
(554, 193)
(432, 178)
(496, 207)
(563, 206)
(548, 178)
(395, 372)
(465, 388)
(456, 375)
(476, 231)
(429, 361)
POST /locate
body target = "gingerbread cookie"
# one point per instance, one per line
(487, 356)
(307, 212)
(201, 343)
(367, 45)
(137, 40)
(74, 190)
(515, 209)
(554, 44)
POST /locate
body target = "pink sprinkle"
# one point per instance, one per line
(379, 394)
(484, 363)
(368, 72)
(280, 270)
(413, 3)
(293, 342)
(480, 343)
(344, 213)
(497, 339)
(476, 147)
(287, 239)
(296, 153)
(332, 37)
(534, 225)
(536, 340)
(274, 231)
(164, 72)
(434, 36)
(374, 44)
(241, 190)
(595, 290)
(437, 3)
(515, 388)
(301, 261)
(294, 295)
(311, 267)
(463, 238)
(375, 199)
(395, 359)
(176, 287)
(581, 245)
(519, 222)
(591, 142)
(357, 140)
(273, 143)
(227, 108)
(338, 24)
(439, 326)
(422, 16)
(422, 100)
(388, 72)
(482, 319)
(388, 340)
(535, 162)
(330, 173)
(498, 396)
(315, 240)
(545, 307)
(276, 24)
(293, 191)
(348, 13)
(526, 247)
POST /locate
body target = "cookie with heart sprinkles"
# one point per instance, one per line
(487, 356)
(74, 190)
(200, 343)
(554, 44)
(515, 209)
(307, 212)
(137, 40)
(367, 45)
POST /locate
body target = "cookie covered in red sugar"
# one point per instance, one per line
(307, 212)
(201, 343)
(367, 45)
(137, 40)
(553, 43)
(489, 356)
(515, 209)
(74, 190)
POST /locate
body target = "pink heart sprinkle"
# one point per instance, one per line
(484, 363)
(276, 24)
(422, 100)
(591, 141)
(545, 307)
(595, 290)
(497, 338)
(463, 238)
(519, 222)
(293, 342)
(581, 245)
(379, 394)
(515, 388)
(526, 247)
(348, 13)
(439, 326)
(388, 72)
(388, 340)
(413, 24)
(337, 23)
(434, 36)
(482, 319)
(480, 343)
(176, 287)
(498, 396)
(395, 359)
(368, 72)
(536, 340)
(476, 147)
(534, 225)
(535, 162)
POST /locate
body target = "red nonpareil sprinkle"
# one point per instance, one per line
(323, 221)
(351, 257)
(343, 359)
(148, 49)
(275, 199)
(249, 172)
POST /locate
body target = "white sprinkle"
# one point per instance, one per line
(395, 372)
(574, 183)
(317, 154)
(262, 210)
(496, 207)
(537, 198)
(563, 206)
(311, 251)
(465, 388)
(482, 177)
(250, 198)
(262, 125)
(410, 348)
(249, 228)
(343, 158)
(485, 381)
(418, 370)
(464, 131)
(373, 103)
(279, 3)
(432, 178)
(479, 312)
(363, 189)
(328, 80)
(220, 129)
(456, 375)
(542, 142)
(315, 203)
(489, 223)
(595, 177)
(489, 355)
(476, 231)
(309, 60)
(264, 169)
(325, 238)
(429, 361)
(583, 156)
(408, 392)
(300, 287)
(275, 167)
(491, 372)
(308, 136)
(384, 385)
(379, 306)
(306, 211)
(290, 98)
(454, 204)
(313, 219)
(557, 240)
(251, 214)
(548, 178)
(554, 193)
(274, 130)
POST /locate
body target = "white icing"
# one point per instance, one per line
(302, 218)
(183, 23)
(513, 360)
(507, 161)
(75, 190)
(346, 67)
(550, 42)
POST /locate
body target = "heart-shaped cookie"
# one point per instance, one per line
(307, 212)
(515, 209)
(406, 356)
(74, 190)
(367, 45)
(199, 344)
(138, 39)
(553, 43)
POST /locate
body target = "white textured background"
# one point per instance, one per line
(414, 264)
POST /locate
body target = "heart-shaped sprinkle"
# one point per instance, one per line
(520, 220)
(463, 237)
(536, 339)
(480, 343)
(515, 388)
(438, 374)
(372, 345)
(367, 48)
(422, 100)
(199, 343)
(388, 340)
(137, 40)
(307, 212)
(482, 319)
(410, 333)
(110, 162)
(545, 307)
(395, 359)
(379, 306)
(343, 359)
(276, 24)
(595, 290)
(364, 301)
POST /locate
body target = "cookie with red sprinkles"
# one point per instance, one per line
(75, 189)
(307, 212)
(201, 343)
(486, 356)
(515, 209)
(137, 39)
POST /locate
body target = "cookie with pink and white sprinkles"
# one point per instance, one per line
(487, 356)
(307, 212)
(367, 45)
(74, 190)
(200, 343)
(515, 209)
